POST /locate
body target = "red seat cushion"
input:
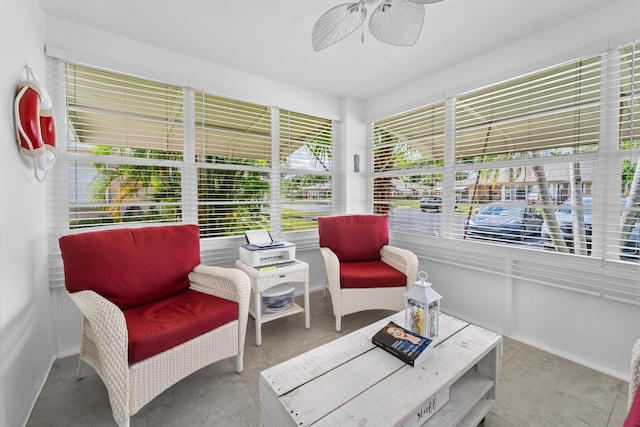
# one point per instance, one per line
(131, 266)
(370, 274)
(633, 417)
(354, 237)
(161, 325)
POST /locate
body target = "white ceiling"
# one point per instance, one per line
(272, 38)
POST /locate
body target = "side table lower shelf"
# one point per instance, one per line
(295, 309)
(261, 280)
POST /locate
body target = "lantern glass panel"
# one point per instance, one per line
(433, 318)
(415, 316)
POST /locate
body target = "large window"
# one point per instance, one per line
(233, 159)
(144, 151)
(125, 144)
(546, 161)
(626, 105)
(306, 167)
(408, 156)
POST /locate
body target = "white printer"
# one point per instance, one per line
(261, 250)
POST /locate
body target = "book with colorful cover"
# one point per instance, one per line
(402, 343)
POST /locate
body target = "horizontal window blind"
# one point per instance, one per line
(229, 131)
(407, 142)
(230, 202)
(620, 282)
(622, 239)
(124, 133)
(306, 162)
(580, 274)
(111, 193)
(627, 104)
(410, 140)
(304, 198)
(233, 155)
(122, 115)
(555, 112)
(413, 202)
(305, 141)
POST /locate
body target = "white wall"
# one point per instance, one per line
(354, 137)
(27, 339)
(588, 329)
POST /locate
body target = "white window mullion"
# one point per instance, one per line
(189, 170)
(449, 173)
(338, 178)
(607, 180)
(275, 178)
(58, 177)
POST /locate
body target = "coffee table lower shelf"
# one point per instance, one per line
(469, 402)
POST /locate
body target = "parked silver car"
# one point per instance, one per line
(565, 220)
(505, 221)
(630, 249)
(433, 203)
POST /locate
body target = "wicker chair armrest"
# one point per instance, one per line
(229, 283)
(402, 260)
(112, 341)
(635, 372)
(332, 267)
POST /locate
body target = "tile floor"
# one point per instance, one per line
(536, 388)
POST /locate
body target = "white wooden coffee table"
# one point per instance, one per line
(350, 382)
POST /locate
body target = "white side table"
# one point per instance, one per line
(261, 280)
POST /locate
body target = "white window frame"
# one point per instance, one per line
(602, 274)
(218, 250)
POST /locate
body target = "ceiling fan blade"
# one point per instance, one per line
(426, 1)
(337, 23)
(397, 22)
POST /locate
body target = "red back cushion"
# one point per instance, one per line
(131, 266)
(354, 237)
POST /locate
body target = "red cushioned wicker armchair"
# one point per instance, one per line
(363, 271)
(151, 313)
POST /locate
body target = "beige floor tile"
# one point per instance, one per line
(536, 388)
(619, 411)
(535, 367)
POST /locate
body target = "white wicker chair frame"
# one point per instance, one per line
(104, 343)
(351, 300)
